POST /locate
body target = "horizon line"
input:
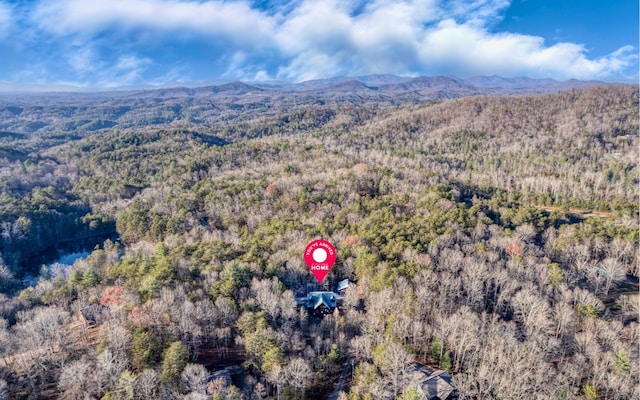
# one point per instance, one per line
(7, 87)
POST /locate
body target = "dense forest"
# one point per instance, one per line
(494, 237)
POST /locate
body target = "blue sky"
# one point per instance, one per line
(114, 43)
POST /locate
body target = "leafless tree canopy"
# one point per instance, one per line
(494, 237)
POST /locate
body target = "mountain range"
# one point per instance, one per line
(61, 111)
(382, 82)
(423, 85)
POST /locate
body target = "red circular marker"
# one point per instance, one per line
(320, 256)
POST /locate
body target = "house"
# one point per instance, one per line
(342, 287)
(219, 382)
(434, 385)
(94, 314)
(320, 304)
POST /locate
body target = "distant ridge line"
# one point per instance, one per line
(383, 82)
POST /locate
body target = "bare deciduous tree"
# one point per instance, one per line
(146, 385)
(194, 377)
(613, 271)
(298, 373)
(74, 378)
(532, 310)
(4, 391)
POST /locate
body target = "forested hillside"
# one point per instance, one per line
(495, 237)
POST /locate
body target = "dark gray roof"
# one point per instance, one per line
(317, 299)
(436, 385)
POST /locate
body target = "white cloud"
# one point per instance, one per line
(475, 12)
(311, 65)
(126, 70)
(466, 49)
(321, 25)
(327, 38)
(324, 38)
(304, 39)
(84, 60)
(131, 62)
(92, 69)
(235, 21)
(6, 18)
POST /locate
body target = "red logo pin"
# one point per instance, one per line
(320, 256)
